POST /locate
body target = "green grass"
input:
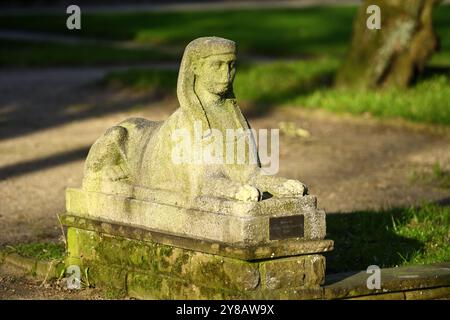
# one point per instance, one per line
(164, 81)
(25, 54)
(386, 238)
(428, 101)
(321, 33)
(308, 84)
(389, 238)
(436, 177)
(40, 251)
(308, 31)
(318, 30)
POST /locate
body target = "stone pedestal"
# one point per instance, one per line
(213, 223)
(140, 262)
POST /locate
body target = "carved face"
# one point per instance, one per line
(216, 73)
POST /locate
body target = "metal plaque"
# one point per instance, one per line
(286, 227)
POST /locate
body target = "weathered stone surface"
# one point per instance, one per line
(43, 270)
(315, 269)
(286, 273)
(245, 223)
(111, 278)
(177, 273)
(295, 272)
(392, 280)
(385, 296)
(138, 280)
(131, 175)
(149, 286)
(274, 249)
(194, 229)
(49, 269)
(138, 152)
(26, 264)
(427, 294)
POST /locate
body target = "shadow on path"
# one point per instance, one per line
(22, 168)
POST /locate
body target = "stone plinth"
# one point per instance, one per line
(208, 218)
(143, 263)
(185, 208)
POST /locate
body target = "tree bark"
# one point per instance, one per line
(395, 54)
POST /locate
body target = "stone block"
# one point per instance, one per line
(23, 263)
(274, 249)
(427, 294)
(49, 269)
(152, 270)
(247, 223)
(220, 272)
(294, 272)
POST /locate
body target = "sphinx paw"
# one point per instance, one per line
(248, 193)
(292, 188)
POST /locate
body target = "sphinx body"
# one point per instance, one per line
(136, 154)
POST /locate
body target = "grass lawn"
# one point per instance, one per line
(389, 238)
(308, 84)
(321, 34)
(316, 31)
(279, 31)
(33, 54)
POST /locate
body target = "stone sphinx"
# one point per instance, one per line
(224, 227)
(133, 163)
(137, 152)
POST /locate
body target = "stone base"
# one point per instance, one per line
(150, 270)
(206, 218)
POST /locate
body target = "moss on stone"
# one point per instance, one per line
(148, 270)
(112, 279)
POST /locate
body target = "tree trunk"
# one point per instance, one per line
(395, 54)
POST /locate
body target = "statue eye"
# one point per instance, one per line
(216, 64)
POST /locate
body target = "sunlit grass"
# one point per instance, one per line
(307, 84)
(428, 101)
(389, 238)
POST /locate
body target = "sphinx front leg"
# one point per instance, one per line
(226, 188)
(279, 186)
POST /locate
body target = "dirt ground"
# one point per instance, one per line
(49, 118)
(15, 285)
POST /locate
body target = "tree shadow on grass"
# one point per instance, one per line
(368, 238)
(431, 72)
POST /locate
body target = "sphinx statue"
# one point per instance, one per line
(137, 152)
(132, 177)
(163, 214)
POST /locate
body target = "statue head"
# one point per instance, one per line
(215, 73)
(208, 62)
